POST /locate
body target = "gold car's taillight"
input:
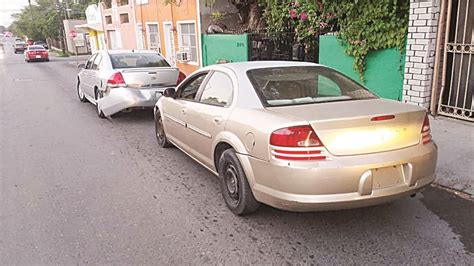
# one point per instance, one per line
(426, 130)
(298, 143)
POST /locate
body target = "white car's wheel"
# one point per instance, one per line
(80, 93)
(98, 95)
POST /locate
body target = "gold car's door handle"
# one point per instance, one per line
(217, 119)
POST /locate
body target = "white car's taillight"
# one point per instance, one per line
(299, 143)
(116, 81)
(426, 130)
(181, 77)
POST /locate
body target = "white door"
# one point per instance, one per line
(139, 37)
(112, 39)
(169, 42)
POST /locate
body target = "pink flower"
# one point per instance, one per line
(303, 16)
(293, 14)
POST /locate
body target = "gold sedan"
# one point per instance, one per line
(297, 136)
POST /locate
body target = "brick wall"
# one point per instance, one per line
(420, 51)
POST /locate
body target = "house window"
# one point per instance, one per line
(154, 37)
(187, 39)
(108, 19)
(124, 18)
(122, 2)
(107, 3)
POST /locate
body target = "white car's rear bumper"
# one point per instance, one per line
(118, 99)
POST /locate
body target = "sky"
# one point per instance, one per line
(8, 7)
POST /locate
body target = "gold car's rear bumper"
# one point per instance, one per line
(342, 182)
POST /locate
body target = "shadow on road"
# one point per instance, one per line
(456, 211)
(138, 115)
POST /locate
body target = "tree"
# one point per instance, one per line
(43, 19)
(38, 21)
(250, 14)
(3, 28)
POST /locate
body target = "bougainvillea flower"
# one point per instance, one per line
(293, 14)
(303, 16)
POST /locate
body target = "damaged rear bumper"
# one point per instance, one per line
(119, 99)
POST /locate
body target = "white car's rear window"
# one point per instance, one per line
(282, 86)
(35, 47)
(136, 60)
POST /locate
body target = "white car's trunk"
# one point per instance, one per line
(345, 128)
(152, 77)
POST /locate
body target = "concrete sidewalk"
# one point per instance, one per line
(73, 61)
(455, 139)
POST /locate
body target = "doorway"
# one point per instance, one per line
(169, 42)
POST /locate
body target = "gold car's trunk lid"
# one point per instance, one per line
(351, 127)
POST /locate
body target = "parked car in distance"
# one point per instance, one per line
(19, 47)
(36, 53)
(296, 136)
(120, 80)
(42, 43)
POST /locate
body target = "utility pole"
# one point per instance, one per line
(31, 14)
(31, 11)
(61, 26)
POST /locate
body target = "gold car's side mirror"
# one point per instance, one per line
(169, 92)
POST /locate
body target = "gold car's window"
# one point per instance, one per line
(280, 86)
(327, 87)
(189, 90)
(218, 90)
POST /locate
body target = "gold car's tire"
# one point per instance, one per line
(234, 186)
(160, 131)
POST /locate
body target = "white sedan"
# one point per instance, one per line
(125, 79)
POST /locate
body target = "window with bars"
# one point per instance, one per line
(154, 37)
(187, 39)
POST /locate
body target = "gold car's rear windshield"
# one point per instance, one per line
(283, 86)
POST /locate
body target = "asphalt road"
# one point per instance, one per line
(77, 189)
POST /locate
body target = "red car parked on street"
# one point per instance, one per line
(36, 53)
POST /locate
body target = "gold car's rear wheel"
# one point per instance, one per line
(230, 179)
(234, 185)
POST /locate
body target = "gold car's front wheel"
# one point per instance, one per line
(234, 185)
(160, 131)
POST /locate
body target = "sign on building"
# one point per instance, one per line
(79, 40)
